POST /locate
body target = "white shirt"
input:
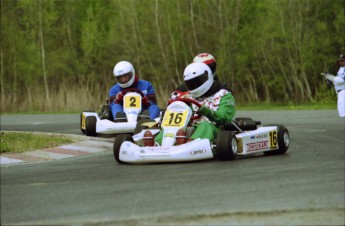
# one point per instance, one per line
(339, 80)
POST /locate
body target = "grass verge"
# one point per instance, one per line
(17, 142)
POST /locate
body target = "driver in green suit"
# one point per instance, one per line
(217, 104)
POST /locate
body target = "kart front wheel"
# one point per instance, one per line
(90, 126)
(119, 139)
(226, 145)
(283, 141)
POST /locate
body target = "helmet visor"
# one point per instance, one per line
(196, 82)
(123, 79)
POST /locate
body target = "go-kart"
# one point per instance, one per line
(93, 123)
(241, 137)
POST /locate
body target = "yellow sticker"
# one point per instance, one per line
(132, 101)
(169, 135)
(273, 139)
(83, 121)
(174, 118)
(150, 124)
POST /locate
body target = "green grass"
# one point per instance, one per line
(17, 142)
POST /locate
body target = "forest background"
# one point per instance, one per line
(58, 55)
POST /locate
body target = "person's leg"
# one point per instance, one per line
(154, 111)
(341, 103)
(159, 137)
(115, 108)
(205, 130)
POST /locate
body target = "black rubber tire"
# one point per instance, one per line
(226, 145)
(81, 114)
(283, 140)
(119, 139)
(90, 126)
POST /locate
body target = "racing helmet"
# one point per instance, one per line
(207, 59)
(198, 78)
(124, 68)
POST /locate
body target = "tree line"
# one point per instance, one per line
(59, 54)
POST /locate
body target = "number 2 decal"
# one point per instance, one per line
(132, 102)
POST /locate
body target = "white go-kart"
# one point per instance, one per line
(240, 138)
(93, 123)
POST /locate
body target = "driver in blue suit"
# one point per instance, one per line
(127, 79)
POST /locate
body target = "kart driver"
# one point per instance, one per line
(206, 58)
(126, 79)
(218, 104)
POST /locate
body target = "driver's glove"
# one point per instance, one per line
(145, 101)
(119, 98)
(205, 111)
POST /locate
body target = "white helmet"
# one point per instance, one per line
(122, 68)
(198, 78)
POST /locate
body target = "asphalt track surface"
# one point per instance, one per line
(303, 187)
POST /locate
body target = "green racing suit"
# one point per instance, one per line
(216, 110)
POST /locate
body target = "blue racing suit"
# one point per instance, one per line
(145, 87)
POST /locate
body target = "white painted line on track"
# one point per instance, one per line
(5, 160)
(50, 155)
(83, 148)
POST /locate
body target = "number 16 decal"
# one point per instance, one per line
(273, 139)
(174, 118)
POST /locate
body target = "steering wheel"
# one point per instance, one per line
(188, 101)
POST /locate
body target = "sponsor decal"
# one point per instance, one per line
(257, 145)
(157, 148)
(261, 136)
(124, 152)
(252, 137)
(142, 151)
(197, 152)
(169, 135)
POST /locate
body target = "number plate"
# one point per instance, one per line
(83, 121)
(174, 118)
(273, 139)
(132, 102)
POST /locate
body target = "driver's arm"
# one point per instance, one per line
(225, 112)
(151, 95)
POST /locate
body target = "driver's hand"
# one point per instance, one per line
(119, 98)
(145, 101)
(205, 111)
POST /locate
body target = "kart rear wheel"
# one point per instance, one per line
(226, 145)
(90, 126)
(119, 139)
(283, 141)
(81, 120)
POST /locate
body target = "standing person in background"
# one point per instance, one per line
(126, 79)
(339, 84)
